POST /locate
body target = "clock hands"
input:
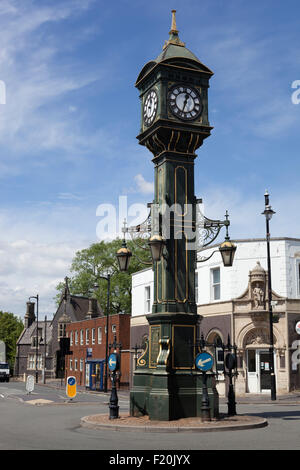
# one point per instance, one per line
(185, 101)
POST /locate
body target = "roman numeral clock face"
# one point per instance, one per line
(185, 102)
(150, 107)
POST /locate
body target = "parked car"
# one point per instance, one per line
(4, 372)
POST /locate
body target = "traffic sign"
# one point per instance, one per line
(204, 361)
(30, 383)
(71, 387)
(297, 327)
(113, 363)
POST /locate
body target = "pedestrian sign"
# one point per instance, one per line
(204, 361)
(113, 363)
(71, 387)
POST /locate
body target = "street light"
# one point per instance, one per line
(37, 341)
(156, 244)
(227, 248)
(268, 213)
(107, 278)
(45, 349)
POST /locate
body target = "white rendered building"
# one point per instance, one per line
(227, 306)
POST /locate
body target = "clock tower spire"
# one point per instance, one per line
(174, 38)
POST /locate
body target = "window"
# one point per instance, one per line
(71, 364)
(81, 336)
(36, 341)
(81, 365)
(215, 284)
(93, 335)
(71, 338)
(147, 299)
(31, 361)
(87, 336)
(196, 288)
(75, 364)
(40, 361)
(99, 335)
(76, 337)
(62, 330)
(113, 328)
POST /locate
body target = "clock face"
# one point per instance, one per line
(150, 107)
(185, 102)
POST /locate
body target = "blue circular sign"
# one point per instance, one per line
(204, 361)
(71, 381)
(113, 362)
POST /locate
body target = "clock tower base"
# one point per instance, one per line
(166, 384)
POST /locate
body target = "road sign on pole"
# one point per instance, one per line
(30, 383)
(113, 362)
(71, 387)
(204, 361)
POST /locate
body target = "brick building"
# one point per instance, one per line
(88, 347)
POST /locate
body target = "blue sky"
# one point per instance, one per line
(68, 128)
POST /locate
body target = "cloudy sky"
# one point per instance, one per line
(69, 116)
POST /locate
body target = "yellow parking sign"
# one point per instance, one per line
(71, 387)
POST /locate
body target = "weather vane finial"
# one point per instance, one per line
(173, 26)
(173, 34)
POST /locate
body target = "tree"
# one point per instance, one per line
(100, 258)
(11, 327)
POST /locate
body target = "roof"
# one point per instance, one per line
(30, 332)
(76, 308)
(174, 53)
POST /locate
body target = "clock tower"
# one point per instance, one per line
(174, 123)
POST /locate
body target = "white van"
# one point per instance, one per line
(4, 371)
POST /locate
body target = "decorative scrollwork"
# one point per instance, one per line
(207, 229)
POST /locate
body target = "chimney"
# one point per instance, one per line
(92, 311)
(29, 316)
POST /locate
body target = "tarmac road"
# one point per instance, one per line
(54, 424)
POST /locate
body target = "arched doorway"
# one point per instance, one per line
(257, 359)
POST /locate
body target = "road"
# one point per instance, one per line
(54, 424)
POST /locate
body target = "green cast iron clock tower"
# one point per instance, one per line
(174, 123)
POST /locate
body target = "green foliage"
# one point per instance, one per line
(10, 329)
(100, 258)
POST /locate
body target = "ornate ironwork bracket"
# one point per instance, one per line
(207, 231)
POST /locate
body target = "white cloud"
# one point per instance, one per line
(144, 187)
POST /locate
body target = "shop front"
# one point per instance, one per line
(94, 374)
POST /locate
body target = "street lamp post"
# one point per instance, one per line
(36, 338)
(268, 213)
(107, 278)
(45, 350)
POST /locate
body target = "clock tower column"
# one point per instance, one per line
(173, 92)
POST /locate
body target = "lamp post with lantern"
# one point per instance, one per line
(268, 213)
